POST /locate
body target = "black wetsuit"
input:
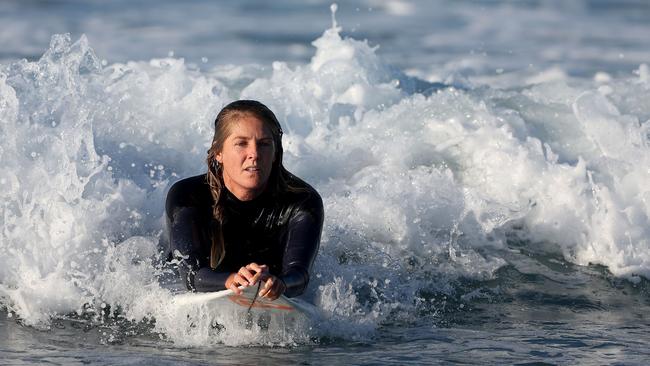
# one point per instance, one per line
(281, 231)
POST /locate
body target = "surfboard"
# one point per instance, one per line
(247, 300)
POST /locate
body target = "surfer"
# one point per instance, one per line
(247, 221)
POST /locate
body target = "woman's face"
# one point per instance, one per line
(247, 157)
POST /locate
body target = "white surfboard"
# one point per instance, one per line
(247, 300)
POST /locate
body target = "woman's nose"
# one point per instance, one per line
(252, 151)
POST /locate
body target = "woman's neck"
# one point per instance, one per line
(240, 192)
(244, 195)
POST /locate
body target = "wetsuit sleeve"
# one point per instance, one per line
(182, 244)
(185, 240)
(208, 280)
(186, 249)
(303, 240)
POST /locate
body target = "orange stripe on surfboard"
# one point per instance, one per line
(259, 303)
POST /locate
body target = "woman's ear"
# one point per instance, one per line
(219, 158)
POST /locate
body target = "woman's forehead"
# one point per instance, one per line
(249, 126)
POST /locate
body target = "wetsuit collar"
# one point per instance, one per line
(257, 202)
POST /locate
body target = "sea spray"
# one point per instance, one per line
(422, 190)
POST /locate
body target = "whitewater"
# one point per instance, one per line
(476, 210)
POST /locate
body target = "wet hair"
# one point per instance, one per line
(278, 179)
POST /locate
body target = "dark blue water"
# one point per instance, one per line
(550, 313)
(583, 36)
(483, 173)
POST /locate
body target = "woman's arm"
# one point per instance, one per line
(186, 246)
(303, 241)
(185, 239)
(183, 242)
(186, 249)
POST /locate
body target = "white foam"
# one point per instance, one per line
(418, 190)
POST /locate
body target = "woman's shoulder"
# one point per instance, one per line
(191, 182)
(303, 195)
(192, 191)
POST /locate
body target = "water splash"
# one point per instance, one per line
(422, 190)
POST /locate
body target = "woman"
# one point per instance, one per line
(248, 219)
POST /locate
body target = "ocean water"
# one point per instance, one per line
(483, 166)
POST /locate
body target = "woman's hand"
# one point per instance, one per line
(250, 274)
(273, 287)
(246, 276)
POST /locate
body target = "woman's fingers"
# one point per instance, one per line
(234, 281)
(273, 288)
(235, 289)
(260, 271)
(265, 289)
(247, 276)
(257, 267)
(253, 266)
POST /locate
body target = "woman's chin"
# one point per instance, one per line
(254, 185)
